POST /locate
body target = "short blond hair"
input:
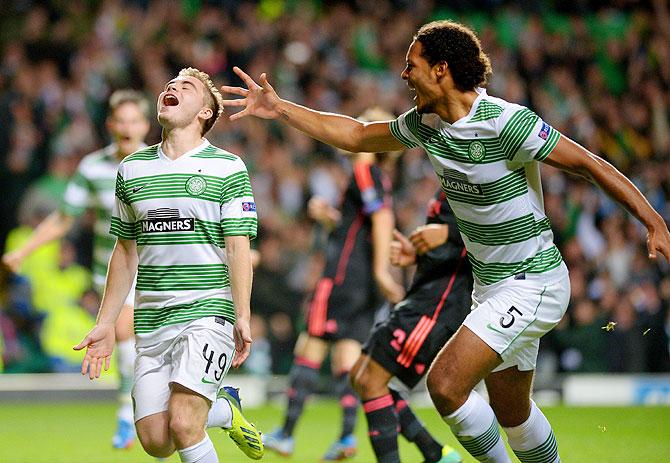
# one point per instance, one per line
(213, 97)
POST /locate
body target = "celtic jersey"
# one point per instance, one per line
(92, 187)
(486, 166)
(179, 212)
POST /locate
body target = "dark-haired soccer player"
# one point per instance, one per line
(342, 309)
(486, 152)
(405, 344)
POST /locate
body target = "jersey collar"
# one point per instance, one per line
(205, 143)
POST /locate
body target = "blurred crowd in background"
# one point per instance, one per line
(597, 71)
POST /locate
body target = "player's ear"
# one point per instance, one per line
(206, 113)
(441, 69)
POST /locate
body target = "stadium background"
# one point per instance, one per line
(598, 71)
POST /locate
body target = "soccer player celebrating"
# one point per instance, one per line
(341, 312)
(183, 216)
(405, 344)
(486, 152)
(93, 187)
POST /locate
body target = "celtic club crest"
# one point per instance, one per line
(476, 151)
(195, 185)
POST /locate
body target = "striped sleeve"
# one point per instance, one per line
(123, 217)
(238, 208)
(526, 137)
(405, 127)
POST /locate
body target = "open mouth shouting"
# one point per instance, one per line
(170, 100)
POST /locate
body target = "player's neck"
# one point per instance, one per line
(456, 105)
(177, 141)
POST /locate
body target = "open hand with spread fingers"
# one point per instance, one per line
(99, 344)
(257, 100)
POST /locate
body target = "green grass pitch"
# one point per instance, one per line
(81, 432)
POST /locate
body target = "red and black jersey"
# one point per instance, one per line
(346, 296)
(349, 248)
(439, 262)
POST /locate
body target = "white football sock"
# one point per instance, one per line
(126, 354)
(220, 414)
(534, 441)
(475, 426)
(202, 452)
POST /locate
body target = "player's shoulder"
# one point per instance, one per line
(98, 157)
(216, 153)
(500, 115)
(149, 153)
(509, 108)
(222, 161)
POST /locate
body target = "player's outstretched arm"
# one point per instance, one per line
(571, 157)
(239, 264)
(53, 227)
(99, 342)
(337, 130)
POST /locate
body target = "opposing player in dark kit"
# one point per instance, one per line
(341, 312)
(406, 343)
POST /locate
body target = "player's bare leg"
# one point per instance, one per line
(369, 378)
(125, 351)
(154, 435)
(181, 428)
(187, 414)
(528, 431)
(502, 385)
(462, 363)
(309, 353)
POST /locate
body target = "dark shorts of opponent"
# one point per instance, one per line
(407, 342)
(341, 312)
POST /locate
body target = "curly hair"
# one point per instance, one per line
(459, 47)
(213, 97)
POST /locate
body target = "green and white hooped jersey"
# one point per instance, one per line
(92, 187)
(485, 164)
(179, 211)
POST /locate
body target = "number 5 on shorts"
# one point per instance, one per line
(510, 321)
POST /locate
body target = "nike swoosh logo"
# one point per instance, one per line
(492, 328)
(206, 381)
(138, 188)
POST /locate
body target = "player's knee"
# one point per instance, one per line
(509, 413)
(359, 380)
(443, 391)
(183, 430)
(155, 446)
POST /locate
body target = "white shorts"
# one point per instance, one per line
(130, 298)
(512, 315)
(99, 285)
(198, 358)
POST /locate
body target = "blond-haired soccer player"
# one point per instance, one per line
(487, 154)
(92, 187)
(183, 216)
